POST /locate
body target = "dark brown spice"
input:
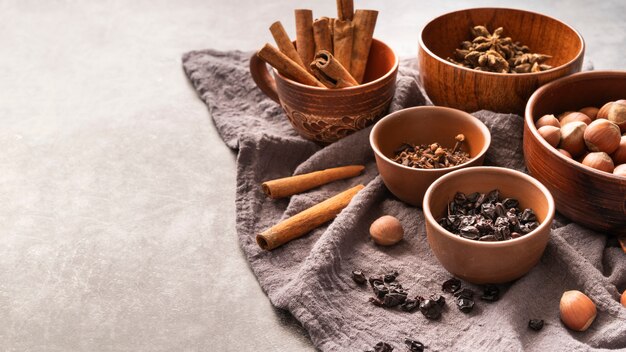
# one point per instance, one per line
(486, 217)
(495, 53)
(431, 156)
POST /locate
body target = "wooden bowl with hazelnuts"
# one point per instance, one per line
(575, 144)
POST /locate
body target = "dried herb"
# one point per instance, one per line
(535, 324)
(431, 156)
(485, 217)
(493, 52)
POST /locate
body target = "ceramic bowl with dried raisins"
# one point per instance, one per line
(516, 240)
(425, 126)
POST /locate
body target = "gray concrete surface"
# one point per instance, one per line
(117, 210)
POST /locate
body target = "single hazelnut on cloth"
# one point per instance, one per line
(386, 231)
(577, 310)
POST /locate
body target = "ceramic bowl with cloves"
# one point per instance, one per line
(488, 262)
(424, 125)
(585, 194)
(471, 89)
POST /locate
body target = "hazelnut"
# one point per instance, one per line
(602, 136)
(617, 114)
(619, 155)
(386, 230)
(563, 114)
(572, 138)
(599, 161)
(565, 152)
(547, 120)
(577, 310)
(575, 116)
(603, 113)
(620, 170)
(590, 111)
(551, 134)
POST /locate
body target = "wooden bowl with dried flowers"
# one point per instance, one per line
(467, 62)
(591, 197)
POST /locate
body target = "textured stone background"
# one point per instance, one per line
(117, 227)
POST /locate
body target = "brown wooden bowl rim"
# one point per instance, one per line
(393, 69)
(483, 128)
(546, 223)
(529, 74)
(537, 95)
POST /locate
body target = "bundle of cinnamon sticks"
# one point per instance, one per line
(329, 52)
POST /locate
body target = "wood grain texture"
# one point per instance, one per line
(470, 90)
(589, 197)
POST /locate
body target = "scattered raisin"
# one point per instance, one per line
(430, 309)
(410, 304)
(391, 277)
(491, 293)
(451, 285)
(535, 324)
(464, 293)
(414, 345)
(465, 304)
(358, 277)
(381, 347)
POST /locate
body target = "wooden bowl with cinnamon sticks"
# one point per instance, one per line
(334, 79)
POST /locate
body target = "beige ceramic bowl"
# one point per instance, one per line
(424, 125)
(488, 262)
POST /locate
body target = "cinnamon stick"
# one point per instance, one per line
(345, 9)
(342, 42)
(287, 186)
(330, 72)
(305, 221)
(364, 23)
(305, 44)
(321, 35)
(286, 66)
(284, 43)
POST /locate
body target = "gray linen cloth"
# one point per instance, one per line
(310, 276)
